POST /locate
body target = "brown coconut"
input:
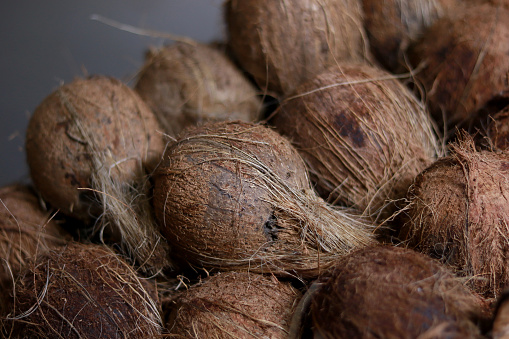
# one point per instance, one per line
(363, 135)
(391, 292)
(89, 145)
(233, 304)
(282, 44)
(463, 63)
(500, 325)
(82, 291)
(392, 25)
(236, 195)
(188, 84)
(458, 214)
(498, 130)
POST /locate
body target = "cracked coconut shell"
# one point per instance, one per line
(458, 213)
(188, 84)
(282, 44)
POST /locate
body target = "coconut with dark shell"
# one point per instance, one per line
(391, 292)
(363, 135)
(82, 291)
(89, 146)
(236, 195)
(282, 44)
(190, 83)
(462, 63)
(233, 304)
(458, 213)
(392, 25)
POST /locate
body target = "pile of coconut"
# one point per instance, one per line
(333, 169)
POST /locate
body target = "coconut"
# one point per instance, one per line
(391, 292)
(233, 304)
(363, 135)
(188, 84)
(82, 291)
(282, 44)
(500, 326)
(458, 214)
(462, 63)
(89, 146)
(392, 25)
(234, 195)
(498, 130)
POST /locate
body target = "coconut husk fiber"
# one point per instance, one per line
(458, 213)
(91, 145)
(391, 292)
(282, 44)
(233, 305)
(82, 291)
(187, 84)
(363, 135)
(498, 130)
(463, 63)
(392, 25)
(235, 195)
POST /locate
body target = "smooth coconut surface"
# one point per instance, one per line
(282, 44)
(392, 25)
(458, 214)
(82, 291)
(463, 64)
(500, 325)
(236, 194)
(233, 304)
(89, 146)
(390, 292)
(188, 84)
(363, 135)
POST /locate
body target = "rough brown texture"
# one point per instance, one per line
(363, 135)
(500, 326)
(82, 291)
(498, 130)
(233, 305)
(188, 84)
(392, 25)
(236, 194)
(458, 214)
(282, 44)
(464, 63)
(390, 292)
(89, 147)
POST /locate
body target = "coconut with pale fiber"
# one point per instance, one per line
(363, 135)
(233, 304)
(190, 83)
(236, 195)
(282, 44)
(90, 146)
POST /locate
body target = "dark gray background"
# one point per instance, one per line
(45, 43)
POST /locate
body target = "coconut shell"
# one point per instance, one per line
(282, 44)
(83, 291)
(458, 214)
(463, 64)
(236, 195)
(390, 292)
(363, 135)
(392, 25)
(188, 84)
(233, 304)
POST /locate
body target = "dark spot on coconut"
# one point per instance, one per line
(271, 228)
(62, 125)
(72, 179)
(349, 128)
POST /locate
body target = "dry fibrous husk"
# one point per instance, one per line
(363, 135)
(282, 44)
(391, 292)
(82, 291)
(392, 25)
(236, 195)
(89, 146)
(458, 213)
(188, 84)
(463, 63)
(498, 130)
(233, 305)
